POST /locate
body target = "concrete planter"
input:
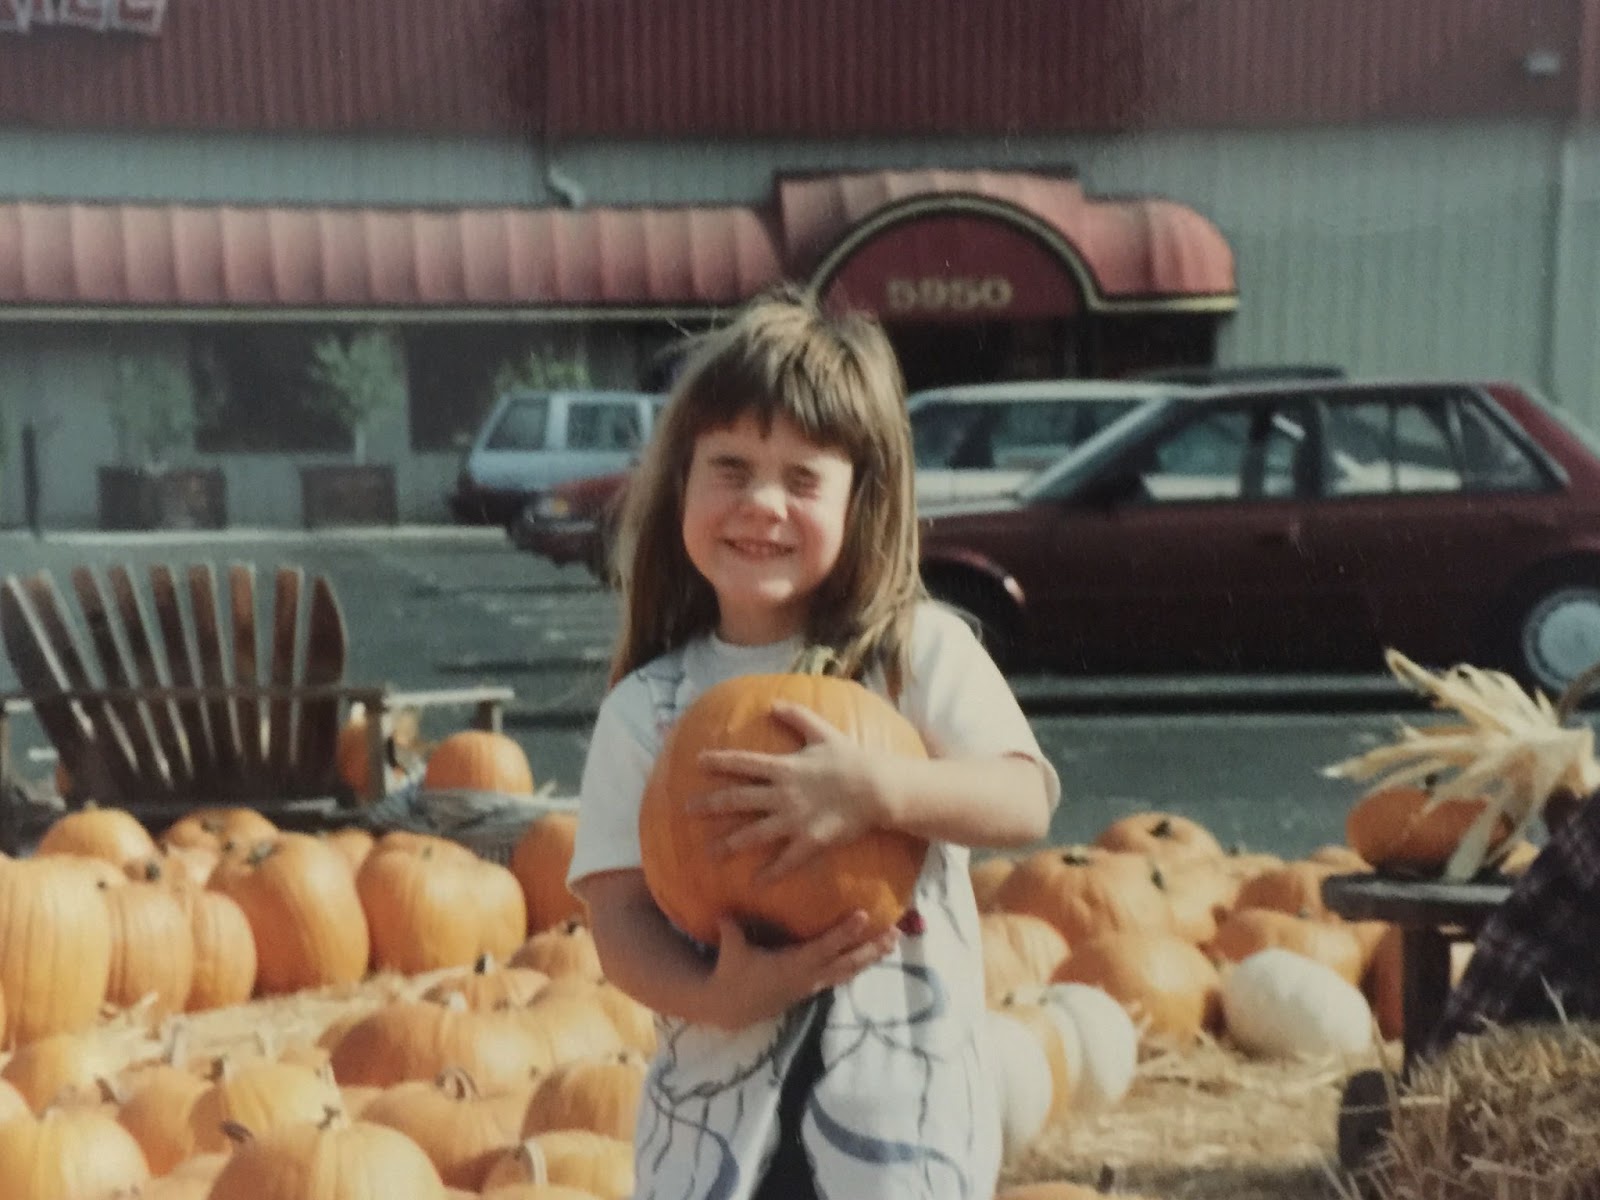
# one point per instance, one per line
(348, 494)
(163, 498)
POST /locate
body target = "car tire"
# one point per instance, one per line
(1553, 632)
(986, 609)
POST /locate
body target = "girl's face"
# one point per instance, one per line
(763, 522)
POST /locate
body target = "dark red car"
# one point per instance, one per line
(573, 522)
(1295, 526)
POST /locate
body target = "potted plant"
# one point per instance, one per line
(151, 402)
(355, 378)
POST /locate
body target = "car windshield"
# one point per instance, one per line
(1067, 475)
(521, 425)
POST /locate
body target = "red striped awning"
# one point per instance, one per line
(195, 256)
(173, 259)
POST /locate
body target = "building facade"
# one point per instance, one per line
(1396, 186)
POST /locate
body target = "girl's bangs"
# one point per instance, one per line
(824, 402)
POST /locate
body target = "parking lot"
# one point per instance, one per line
(441, 607)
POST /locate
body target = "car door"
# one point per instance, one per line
(603, 434)
(1430, 503)
(1188, 550)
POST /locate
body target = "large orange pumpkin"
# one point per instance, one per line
(1390, 830)
(55, 948)
(479, 760)
(540, 861)
(696, 885)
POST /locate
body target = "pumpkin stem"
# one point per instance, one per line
(815, 660)
(1076, 856)
(483, 964)
(1106, 1183)
(260, 852)
(151, 870)
(1162, 828)
(239, 1135)
(458, 1083)
(332, 1115)
(533, 1159)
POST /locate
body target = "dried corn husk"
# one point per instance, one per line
(1512, 749)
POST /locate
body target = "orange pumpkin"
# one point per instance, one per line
(217, 828)
(224, 951)
(488, 986)
(1019, 950)
(461, 1129)
(69, 1152)
(159, 1102)
(1159, 978)
(1247, 930)
(540, 861)
(152, 947)
(1389, 829)
(298, 895)
(354, 758)
(108, 833)
(566, 949)
(60, 1068)
(987, 876)
(1294, 887)
(1161, 835)
(599, 1165)
(479, 760)
(697, 886)
(259, 1095)
(422, 909)
(420, 1039)
(337, 1158)
(1084, 892)
(600, 1095)
(55, 948)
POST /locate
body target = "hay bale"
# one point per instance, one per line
(1512, 1114)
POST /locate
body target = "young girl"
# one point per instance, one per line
(774, 511)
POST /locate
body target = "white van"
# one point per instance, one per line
(533, 440)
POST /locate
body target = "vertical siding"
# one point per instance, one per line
(779, 68)
(1574, 332)
(298, 168)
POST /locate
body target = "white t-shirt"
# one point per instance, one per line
(904, 1107)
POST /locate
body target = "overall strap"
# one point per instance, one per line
(663, 679)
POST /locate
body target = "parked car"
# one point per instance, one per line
(970, 442)
(533, 440)
(1295, 526)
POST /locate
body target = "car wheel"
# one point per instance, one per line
(984, 607)
(1556, 633)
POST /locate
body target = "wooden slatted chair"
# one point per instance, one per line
(197, 690)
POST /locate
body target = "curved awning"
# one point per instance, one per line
(1125, 253)
(220, 261)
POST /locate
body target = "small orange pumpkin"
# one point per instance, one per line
(1163, 836)
(1084, 891)
(540, 861)
(108, 833)
(479, 760)
(697, 886)
(1159, 978)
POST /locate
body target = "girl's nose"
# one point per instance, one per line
(767, 496)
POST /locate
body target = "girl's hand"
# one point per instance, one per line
(750, 984)
(830, 790)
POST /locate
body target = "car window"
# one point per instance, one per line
(603, 425)
(1031, 435)
(521, 425)
(1430, 443)
(943, 433)
(1491, 460)
(1254, 452)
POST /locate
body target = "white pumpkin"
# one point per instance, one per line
(1279, 1004)
(1022, 1084)
(1107, 1043)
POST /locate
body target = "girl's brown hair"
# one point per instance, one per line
(836, 377)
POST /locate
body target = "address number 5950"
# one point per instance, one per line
(957, 293)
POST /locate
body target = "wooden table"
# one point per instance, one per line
(1431, 915)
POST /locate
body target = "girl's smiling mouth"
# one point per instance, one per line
(757, 549)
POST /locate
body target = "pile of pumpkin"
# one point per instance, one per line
(444, 1073)
(1191, 942)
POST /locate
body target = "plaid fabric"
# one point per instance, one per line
(1538, 956)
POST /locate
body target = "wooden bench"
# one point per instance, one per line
(198, 689)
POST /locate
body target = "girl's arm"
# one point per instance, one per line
(646, 957)
(995, 801)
